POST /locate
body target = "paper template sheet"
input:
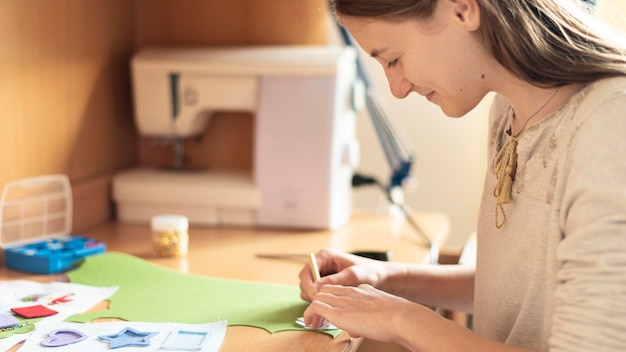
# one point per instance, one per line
(215, 333)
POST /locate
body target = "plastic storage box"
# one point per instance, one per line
(35, 225)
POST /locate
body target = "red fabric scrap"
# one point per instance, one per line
(37, 311)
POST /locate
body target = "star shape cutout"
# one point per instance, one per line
(128, 337)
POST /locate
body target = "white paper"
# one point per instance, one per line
(325, 326)
(83, 298)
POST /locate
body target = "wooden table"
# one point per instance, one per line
(233, 253)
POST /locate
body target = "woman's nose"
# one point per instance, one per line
(399, 86)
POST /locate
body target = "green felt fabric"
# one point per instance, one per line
(151, 293)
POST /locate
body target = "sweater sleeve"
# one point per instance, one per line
(590, 296)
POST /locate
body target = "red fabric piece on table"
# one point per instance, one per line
(37, 311)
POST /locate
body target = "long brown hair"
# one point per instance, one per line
(546, 42)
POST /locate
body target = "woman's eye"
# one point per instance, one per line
(392, 64)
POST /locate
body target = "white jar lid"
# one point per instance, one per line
(169, 223)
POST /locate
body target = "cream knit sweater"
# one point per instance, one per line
(553, 278)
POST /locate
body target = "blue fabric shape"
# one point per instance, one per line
(128, 337)
(186, 340)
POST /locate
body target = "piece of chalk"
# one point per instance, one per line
(314, 268)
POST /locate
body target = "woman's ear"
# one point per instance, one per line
(467, 13)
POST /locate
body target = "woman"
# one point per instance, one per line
(551, 260)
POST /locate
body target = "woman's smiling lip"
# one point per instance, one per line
(426, 94)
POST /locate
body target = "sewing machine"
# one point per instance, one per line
(305, 147)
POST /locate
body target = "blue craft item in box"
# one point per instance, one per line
(35, 226)
(52, 255)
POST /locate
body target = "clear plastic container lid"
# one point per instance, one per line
(35, 209)
(169, 222)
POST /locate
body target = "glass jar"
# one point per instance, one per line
(169, 235)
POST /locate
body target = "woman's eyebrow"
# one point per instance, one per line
(376, 52)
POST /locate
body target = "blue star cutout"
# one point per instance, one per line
(128, 337)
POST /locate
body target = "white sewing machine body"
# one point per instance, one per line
(304, 135)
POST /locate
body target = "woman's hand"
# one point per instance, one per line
(365, 311)
(362, 311)
(339, 268)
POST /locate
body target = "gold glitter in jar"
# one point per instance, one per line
(169, 235)
(170, 243)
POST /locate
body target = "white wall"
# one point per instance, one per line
(451, 153)
(613, 12)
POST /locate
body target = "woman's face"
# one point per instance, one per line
(441, 59)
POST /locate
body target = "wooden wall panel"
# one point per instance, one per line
(226, 144)
(64, 92)
(231, 22)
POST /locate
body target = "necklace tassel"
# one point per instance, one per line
(506, 164)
